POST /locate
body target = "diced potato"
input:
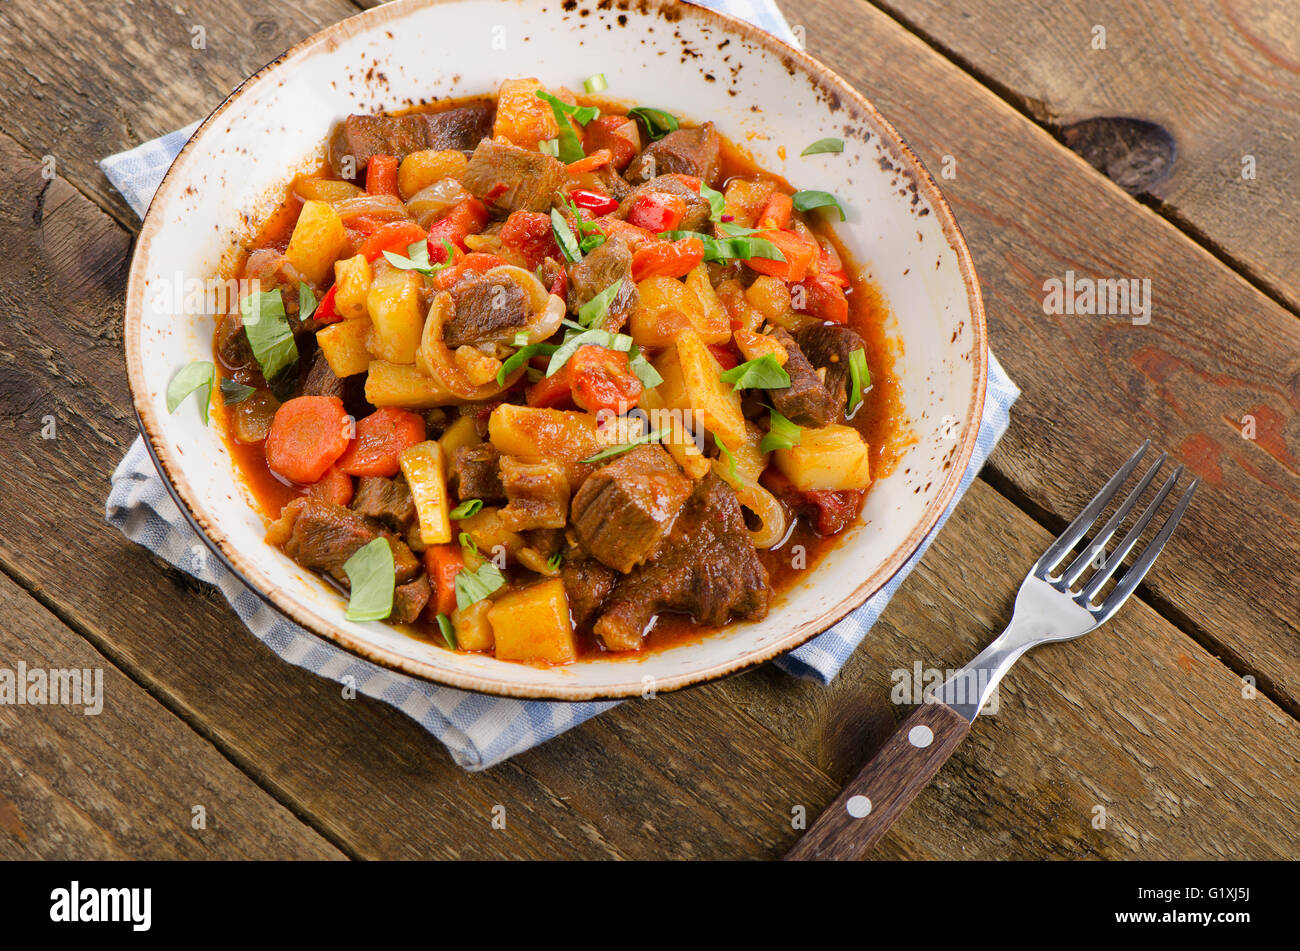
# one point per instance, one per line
(532, 625)
(521, 117)
(421, 169)
(828, 458)
(317, 241)
(400, 384)
(393, 303)
(731, 293)
(680, 441)
(754, 346)
(422, 466)
(714, 316)
(479, 368)
(344, 346)
(691, 381)
(745, 199)
(352, 278)
(534, 433)
(472, 627)
(490, 533)
(666, 307)
(770, 296)
(325, 189)
(462, 432)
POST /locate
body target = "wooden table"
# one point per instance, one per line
(1173, 734)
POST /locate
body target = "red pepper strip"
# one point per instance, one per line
(598, 202)
(395, 237)
(325, 312)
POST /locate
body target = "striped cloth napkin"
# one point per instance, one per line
(477, 729)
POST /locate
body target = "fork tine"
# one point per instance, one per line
(1116, 558)
(1099, 541)
(1145, 560)
(1068, 538)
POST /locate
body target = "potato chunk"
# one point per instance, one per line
(831, 457)
(344, 346)
(532, 625)
(352, 278)
(393, 303)
(422, 465)
(472, 627)
(692, 381)
(317, 241)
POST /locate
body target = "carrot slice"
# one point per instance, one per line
(381, 437)
(443, 563)
(334, 486)
(307, 436)
(381, 175)
(776, 213)
(590, 163)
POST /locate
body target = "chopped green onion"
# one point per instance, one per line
(196, 377)
(522, 356)
(824, 145)
(761, 373)
(448, 633)
(306, 301)
(467, 543)
(467, 508)
(596, 308)
(564, 236)
(642, 440)
(521, 338)
(555, 561)
(232, 391)
(549, 147)
(738, 248)
(804, 201)
(781, 433)
(373, 579)
(595, 83)
(657, 122)
(269, 335)
(717, 204)
(726, 454)
(645, 371)
(474, 586)
(859, 377)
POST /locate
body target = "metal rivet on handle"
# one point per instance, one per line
(858, 806)
(920, 736)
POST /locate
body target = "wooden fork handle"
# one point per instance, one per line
(873, 799)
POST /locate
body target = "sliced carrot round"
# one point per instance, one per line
(307, 436)
(381, 438)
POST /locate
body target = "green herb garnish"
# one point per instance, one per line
(549, 147)
(645, 371)
(448, 633)
(761, 373)
(417, 258)
(596, 308)
(569, 346)
(824, 145)
(232, 391)
(522, 356)
(568, 148)
(612, 451)
(467, 508)
(196, 377)
(474, 586)
(269, 335)
(781, 433)
(373, 579)
(306, 301)
(554, 562)
(467, 543)
(735, 248)
(731, 460)
(717, 203)
(595, 83)
(805, 201)
(859, 377)
(564, 236)
(657, 122)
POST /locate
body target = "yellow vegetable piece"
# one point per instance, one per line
(317, 241)
(490, 533)
(680, 441)
(422, 466)
(532, 625)
(743, 200)
(398, 384)
(473, 630)
(325, 189)
(524, 119)
(691, 381)
(344, 346)
(352, 278)
(463, 432)
(754, 345)
(421, 169)
(666, 307)
(831, 458)
(393, 303)
(533, 434)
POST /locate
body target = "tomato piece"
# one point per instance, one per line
(725, 354)
(618, 134)
(799, 252)
(657, 212)
(381, 438)
(381, 175)
(598, 202)
(552, 391)
(325, 311)
(777, 212)
(690, 181)
(396, 237)
(824, 298)
(307, 436)
(334, 486)
(530, 235)
(465, 218)
(830, 512)
(474, 261)
(603, 380)
(667, 259)
(443, 563)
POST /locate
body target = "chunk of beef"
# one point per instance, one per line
(363, 136)
(707, 567)
(686, 152)
(409, 600)
(387, 501)
(508, 178)
(488, 312)
(610, 262)
(626, 507)
(321, 380)
(607, 179)
(476, 472)
(232, 343)
(538, 493)
(587, 583)
(322, 536)
(828, 346)
(806, 400)
(697, 206)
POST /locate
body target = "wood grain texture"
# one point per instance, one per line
(1223, 78)
(1215, 351)
(123, 783)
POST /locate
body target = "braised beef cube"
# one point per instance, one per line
(828, 346)
(706, 567)
(405, 564)
(698, 209)
(684, 152)
(322, 536)
(545, 541)
(538, 493)
(232, 343)
(363, 136)
(587, 583)
(488, 312)
(385, 500)
(806, 400)
(608, 180)
(463, 127)
(508, 178)
(610, 262)
(321, 380)
(476, 474)
(626, 507)
(410, 599)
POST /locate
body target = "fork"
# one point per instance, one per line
(1048, 608)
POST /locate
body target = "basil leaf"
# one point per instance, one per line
(569, 149)
(612, 451)
(447, 631)
(417, 258)
(859, 377)
(474, 586)
(601, 338)
(522, 356)
(739, 248)
(731, 460)
(467, 508)
(645, 371)
(596, 308)
(717, 204)
(269, 335)
(373, 579)
(306, 301)
(564, 236)
(595, 83)
(781, 433)
(804, 201)
(731, 230)
(824, 145)
(761, 373)
(233, 392)
(196, 377)
(657, 122)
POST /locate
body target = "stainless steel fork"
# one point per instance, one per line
(1052, 606)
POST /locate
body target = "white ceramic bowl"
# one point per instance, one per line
(685, 59)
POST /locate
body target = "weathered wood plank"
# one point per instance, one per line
(127, 781)
(1215, 351)
(1222, 79)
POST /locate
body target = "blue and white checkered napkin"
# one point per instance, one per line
(479, 730)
